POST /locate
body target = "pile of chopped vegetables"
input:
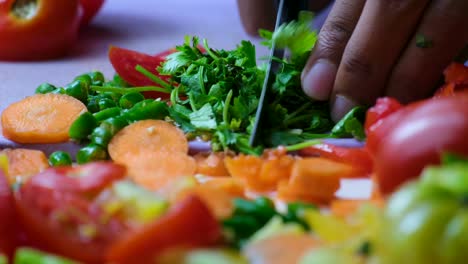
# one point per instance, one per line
(158, 168)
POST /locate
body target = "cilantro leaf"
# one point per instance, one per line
(351, 125)
(203, 118)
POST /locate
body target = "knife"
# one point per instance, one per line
(288, 10)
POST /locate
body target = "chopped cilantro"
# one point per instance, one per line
(222, 90)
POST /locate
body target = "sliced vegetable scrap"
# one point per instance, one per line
(41, 118)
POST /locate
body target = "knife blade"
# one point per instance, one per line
(288, 10)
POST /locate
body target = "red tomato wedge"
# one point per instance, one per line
(456, 72)
(189, 224)
(383, 107)
(124, 62)
(359, 158)
(416, 136)
(7, 217)
(62, 219)
(90, 9)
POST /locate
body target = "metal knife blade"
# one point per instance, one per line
(288, 10)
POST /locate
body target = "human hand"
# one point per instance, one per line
(397, 48)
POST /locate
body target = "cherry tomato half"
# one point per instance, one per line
(124, 62)
(416, 136)
(56, 211)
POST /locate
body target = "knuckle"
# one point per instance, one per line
(398, 6)
(334, 37)
(358, 65)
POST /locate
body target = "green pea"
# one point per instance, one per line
(146, 109)
(114, 124)
(101, 136)
(59, 90)
(129, 100)
(108, 128)
(105, 103)
(78, 89)
(60, 158)
(97, 78)
(45, 88)
(82, 126)
(119, 82)
(107, 113)
(93, 105)
(84, 78)
(90, 153)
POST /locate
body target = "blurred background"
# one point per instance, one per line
(145, 25)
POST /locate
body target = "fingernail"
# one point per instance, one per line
(341, 107)
(318, 81)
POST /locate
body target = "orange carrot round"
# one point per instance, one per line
(24, 163)
(41, 118)
(156, 169)
(147, 136)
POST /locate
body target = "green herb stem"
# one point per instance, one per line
(201, 79)
(227, 103)
(303, 145)
(208, 50)
(121, 90)
(153, 77)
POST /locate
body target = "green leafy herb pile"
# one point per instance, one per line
(214, 95)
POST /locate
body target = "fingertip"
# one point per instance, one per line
(341, 105)
(318, 80)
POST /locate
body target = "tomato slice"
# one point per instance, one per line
(124, 62)
(359, 158)
(56, 211)
(189, 224)
(7, 217)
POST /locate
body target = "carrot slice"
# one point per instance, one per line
(41, 118)
(156, 169)
(314, 180)
(24, 163)
(147, 136)
(212, 164)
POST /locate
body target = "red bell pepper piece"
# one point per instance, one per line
(359, 158)
(189, 224)
(7, 217)
(45, 31)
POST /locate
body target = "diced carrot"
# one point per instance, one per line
(219, 202)
(280, 249)
(155, 169)
(244, 167)
(147, 136)
(24, 163)
(41, 118)
(314, 180)
(261, 173)
(273, 171)
(212, 164)
(229, 185)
